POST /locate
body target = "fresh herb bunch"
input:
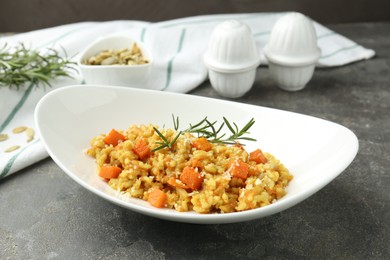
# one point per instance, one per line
(208, 130)
(20, 65)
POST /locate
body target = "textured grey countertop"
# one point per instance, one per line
(46, 215)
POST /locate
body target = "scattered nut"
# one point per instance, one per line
(125, 56)
(12, 148)
(30, 134)
(109, 61)
(19, 129)
(3, 137)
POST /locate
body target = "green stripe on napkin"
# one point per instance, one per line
(169, 69)
(18, 106)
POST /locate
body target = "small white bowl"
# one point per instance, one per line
(232, 84)
(291, 78)
(232, 59)
(117, 75)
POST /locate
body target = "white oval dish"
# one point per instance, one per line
(316, 151)
(118, 75)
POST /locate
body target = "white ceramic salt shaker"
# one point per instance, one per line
(292, 51)
(232, 59)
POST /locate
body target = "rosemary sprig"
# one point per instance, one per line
(20, 65)
(175, 122)
(165, 143)
(208, 130)
(199, 128)
(236, 133)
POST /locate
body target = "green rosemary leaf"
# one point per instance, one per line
(175, 122)
(228, 125)
(174, 139)
(159, 148)
(247, 126)
(247, 138)
(165, 143)
(235, 125)
(197, 125)
(160, 134)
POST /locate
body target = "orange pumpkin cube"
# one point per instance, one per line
(239, 169)
(157, 198)
(113, 138)
(142, 149)
(202, 144)
(191, 178)
(257, 156)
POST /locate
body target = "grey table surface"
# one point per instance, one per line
(46, 215)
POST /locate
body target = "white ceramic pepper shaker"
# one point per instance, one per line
(292, 51)
(232, 59)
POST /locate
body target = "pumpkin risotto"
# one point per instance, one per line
(192, 174)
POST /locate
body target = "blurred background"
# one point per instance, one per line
(27, 15)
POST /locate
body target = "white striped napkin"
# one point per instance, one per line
(177, 47)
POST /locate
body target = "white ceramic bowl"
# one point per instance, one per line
(116, 75)
(291, 78)
(232, 85)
